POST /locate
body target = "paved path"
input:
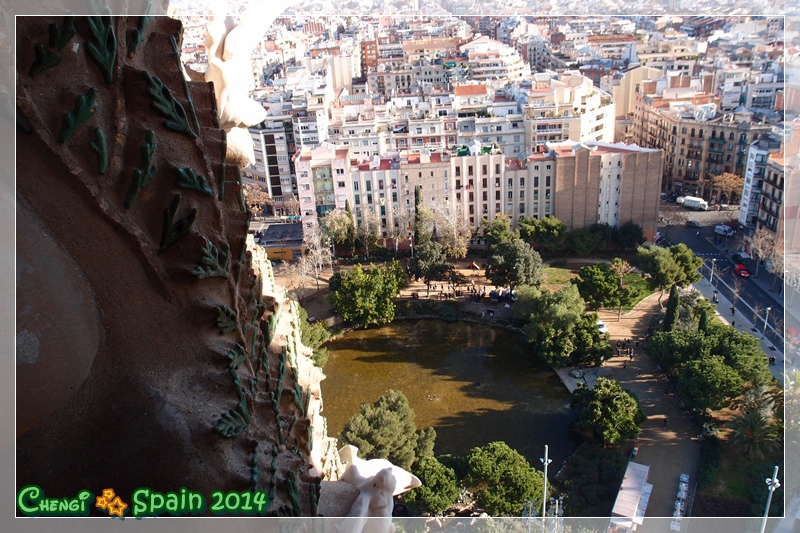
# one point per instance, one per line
(668, 451)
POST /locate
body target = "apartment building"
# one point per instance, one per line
(697, 140)
(580, 183)
(758, 156)
(776, 205)
(491, 60)
(322, 178)
(273, 170)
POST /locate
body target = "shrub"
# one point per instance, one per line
(709, 462)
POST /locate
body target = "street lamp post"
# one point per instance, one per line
(713, 262)
(545, 461)
(772, 485)
(529, 510)
(766, 317)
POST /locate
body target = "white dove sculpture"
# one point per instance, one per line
(378, 481)
(229, 47)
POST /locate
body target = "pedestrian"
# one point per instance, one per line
(624, 364)
(637, 343)
(698, 232)
(666, 421)
(630, 354)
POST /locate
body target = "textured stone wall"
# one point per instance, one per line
(154, 354)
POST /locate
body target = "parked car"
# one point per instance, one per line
(741, 270)
(724, 230)
(602, 327)
(694, 224)
(739, 257)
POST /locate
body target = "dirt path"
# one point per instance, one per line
(668, 451)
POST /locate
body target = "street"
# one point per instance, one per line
(754, 293)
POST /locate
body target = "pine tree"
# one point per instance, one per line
(672, 308)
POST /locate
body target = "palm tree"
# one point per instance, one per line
(754, 434)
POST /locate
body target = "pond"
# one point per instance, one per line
(475, 384)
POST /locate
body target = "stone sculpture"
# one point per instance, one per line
(377, 481)
(229, 47)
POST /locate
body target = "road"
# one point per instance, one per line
(754, 294)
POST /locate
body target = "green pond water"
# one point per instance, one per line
(473, 383)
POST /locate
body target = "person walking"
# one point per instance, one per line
(666, 421)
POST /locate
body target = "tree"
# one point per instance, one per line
(708, 383)
(599, 286)
(671, 220)
(728, 184)
(754, 434)
(626, 296)
(688, 264)
(368, 229)
(630, 235)
(291, 206)
(676, 265)
(339, 226)
(556, 326)
(430, 264)
(297, 273)
(314, 336)
(439, 488)
(583, 242)
(514, 263)
(403, 218)
(672, 308)
(366, 296)
(672, 348)
(501, 479)
(498, 231)
(590, 345)
(762, 245)
(547, 232)
(318, 253)
(611, 416)
(386, 430)
(775, 263)
(258, 199)
(452, 232)
(423, 219)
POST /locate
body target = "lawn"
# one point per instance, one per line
(640, 285)
(556, 277)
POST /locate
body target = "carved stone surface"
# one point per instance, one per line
(121, 374)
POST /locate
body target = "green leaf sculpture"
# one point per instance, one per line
(166, 104)
(84, 108)
(236, 356)
(100, 147)
(189, 180)
(214, 261)
(104, 48)
(136, 35)
(49, 56)
(145, 172)
(227, 321)
(173, 232)
(233, 422)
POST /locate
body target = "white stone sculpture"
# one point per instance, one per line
(229, 47)
(377, 481)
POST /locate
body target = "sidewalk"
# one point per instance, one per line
(741, 323)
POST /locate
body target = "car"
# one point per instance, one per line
(739, 257)
(694, 224)
(724, 230)
(741, 270)
(602, 327)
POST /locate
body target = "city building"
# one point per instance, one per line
(758, 157)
